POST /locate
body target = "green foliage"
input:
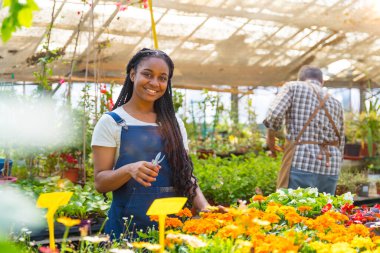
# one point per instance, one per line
(9, 247)
(177, 100)
(225, 180)
(20, 14)
(84, 203)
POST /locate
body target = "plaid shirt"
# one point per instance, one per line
(295, 102)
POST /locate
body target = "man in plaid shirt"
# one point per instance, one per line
(314, 127)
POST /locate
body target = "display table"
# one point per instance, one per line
(358, 201)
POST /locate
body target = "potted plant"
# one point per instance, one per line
(352, 145)
(70, 166)
(350, 181)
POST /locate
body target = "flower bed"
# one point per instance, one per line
(300, 220)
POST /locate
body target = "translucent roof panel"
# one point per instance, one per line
(213, 42)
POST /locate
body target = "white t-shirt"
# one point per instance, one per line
(107, 132)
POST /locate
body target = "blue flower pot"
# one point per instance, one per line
(2, 160)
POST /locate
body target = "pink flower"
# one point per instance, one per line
(61, 81)
(48, 250)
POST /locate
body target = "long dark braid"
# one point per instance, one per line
(184, 182)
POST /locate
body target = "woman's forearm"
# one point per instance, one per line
(200, 202)
(110, 180)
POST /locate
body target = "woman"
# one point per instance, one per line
(127, 140)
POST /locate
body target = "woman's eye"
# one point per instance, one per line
(163, 78)
(148, 75)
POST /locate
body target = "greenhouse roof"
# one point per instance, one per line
(213, 42)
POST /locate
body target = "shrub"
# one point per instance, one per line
(226, 180)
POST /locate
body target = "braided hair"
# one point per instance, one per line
(181, 165)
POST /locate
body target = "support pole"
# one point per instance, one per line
(154, 34)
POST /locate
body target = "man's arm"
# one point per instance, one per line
(271, 141)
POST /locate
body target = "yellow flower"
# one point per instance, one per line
(68, 222)
(233, 139)
(147, 245)
(362, 242)
(342, 247)
(320, 247)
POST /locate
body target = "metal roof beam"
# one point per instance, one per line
(333, 21)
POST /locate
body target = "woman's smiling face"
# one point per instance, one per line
(150, 79)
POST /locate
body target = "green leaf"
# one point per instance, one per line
(25, 17)
(32, 5)
(7, 3)
(6, 29)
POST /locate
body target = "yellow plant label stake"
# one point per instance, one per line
(163, 207)
(52, 201)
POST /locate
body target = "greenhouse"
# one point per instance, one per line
(190, 126)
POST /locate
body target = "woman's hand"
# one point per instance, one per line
(143, 172)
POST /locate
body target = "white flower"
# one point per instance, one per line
(193, 241)
(281, 192)
(348, 196)
(314, 191)
(96, 239)
(261, 222)
(121, 251)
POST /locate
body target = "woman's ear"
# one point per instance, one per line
(132, 75)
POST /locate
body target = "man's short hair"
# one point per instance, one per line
(310, 73)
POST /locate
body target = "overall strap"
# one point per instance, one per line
(312, 116)
(329, 117)
(118, 119)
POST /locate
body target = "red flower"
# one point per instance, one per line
(110, 104)
(346, 208)
(103, 89)
(145, 2)
(358, 218)
(326, 208)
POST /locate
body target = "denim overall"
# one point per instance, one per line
(138, 143)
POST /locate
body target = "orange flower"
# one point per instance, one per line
(185, 213)
(154, 218)
(200, 226)
(304, 208)
(258, 198)
(271, 217)
(173, 223)
(230, 231)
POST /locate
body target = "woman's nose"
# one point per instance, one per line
(154, 81)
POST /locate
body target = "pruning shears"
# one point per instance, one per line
(158, 159)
